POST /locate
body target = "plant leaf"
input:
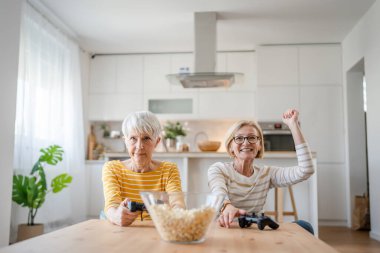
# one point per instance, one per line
(42, 182)
(19, 194)
(37, 166)
(51, 155)
(61, 181)
(31, 192)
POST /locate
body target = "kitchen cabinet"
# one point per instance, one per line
(226, 104)
(113, 106)
(320, 65)
(129, 74)
(116, 74)
(331, 187)
(278, 65)
(103, 74)
(156, 67)
(322, 121)
(245, 63)
(271, 102)
(120, 84)
(221, 62)
(177, 111)
(308, 77)
(116, 86)
(95, 202)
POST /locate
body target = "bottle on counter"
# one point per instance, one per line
(91, 144)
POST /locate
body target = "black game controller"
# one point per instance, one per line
(262, 221)
(136, 206)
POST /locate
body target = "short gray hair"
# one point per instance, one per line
(143, 122)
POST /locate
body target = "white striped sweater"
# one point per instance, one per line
(250, 193)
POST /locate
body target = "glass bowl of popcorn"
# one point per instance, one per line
(182, 217)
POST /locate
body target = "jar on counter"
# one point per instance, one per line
(181, 146)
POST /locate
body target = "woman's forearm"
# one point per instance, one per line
(111, 213)
(297, 133)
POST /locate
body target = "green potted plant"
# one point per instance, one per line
(30, 191)
(173, 132)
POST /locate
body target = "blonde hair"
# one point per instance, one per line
(235, 127)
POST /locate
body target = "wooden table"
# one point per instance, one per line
(97, 236)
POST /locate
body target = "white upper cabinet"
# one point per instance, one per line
(320, 65)
(156, 67)
(180, 105)
(116, 74)
(245, 63)
(116, 86)
(278, 65)
(273, 101)
(321, 118)
(125, 83)
(103, 74)
(221, 62)
(113, 106)
(226, 104)
(129, 73)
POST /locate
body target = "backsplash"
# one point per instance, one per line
(197, 130)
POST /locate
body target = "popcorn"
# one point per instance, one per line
(181, 225)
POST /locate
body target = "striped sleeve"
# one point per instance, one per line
(281, 177)
(217, 180)
(173, 180)
(111, 185)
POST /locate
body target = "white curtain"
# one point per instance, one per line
(49, 111)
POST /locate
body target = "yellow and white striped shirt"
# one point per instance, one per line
(119, 182)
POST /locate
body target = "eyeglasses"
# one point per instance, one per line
(252, 139)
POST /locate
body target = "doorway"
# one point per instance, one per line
(357, 135)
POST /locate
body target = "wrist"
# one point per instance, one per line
(225, 204)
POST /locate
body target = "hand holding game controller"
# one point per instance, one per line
(262, 221)
(135, 206)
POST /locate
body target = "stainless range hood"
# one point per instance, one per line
(204, 75)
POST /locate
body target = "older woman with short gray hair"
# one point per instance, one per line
(123, 180)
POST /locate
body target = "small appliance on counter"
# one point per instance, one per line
(277, 136)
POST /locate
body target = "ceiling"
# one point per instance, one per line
(126, 26)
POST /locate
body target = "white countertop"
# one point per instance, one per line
(267, 155)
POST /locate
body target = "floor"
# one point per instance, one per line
(349, 241)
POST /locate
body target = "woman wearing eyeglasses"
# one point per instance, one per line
(245, 184)
(123, 180)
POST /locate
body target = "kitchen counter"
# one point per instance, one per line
(268, 154)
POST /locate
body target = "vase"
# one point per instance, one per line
(25, 232)
(179, 143)
(171, 144)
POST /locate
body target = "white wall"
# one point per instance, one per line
(364, 41)
(356, 137)
(10, 13)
